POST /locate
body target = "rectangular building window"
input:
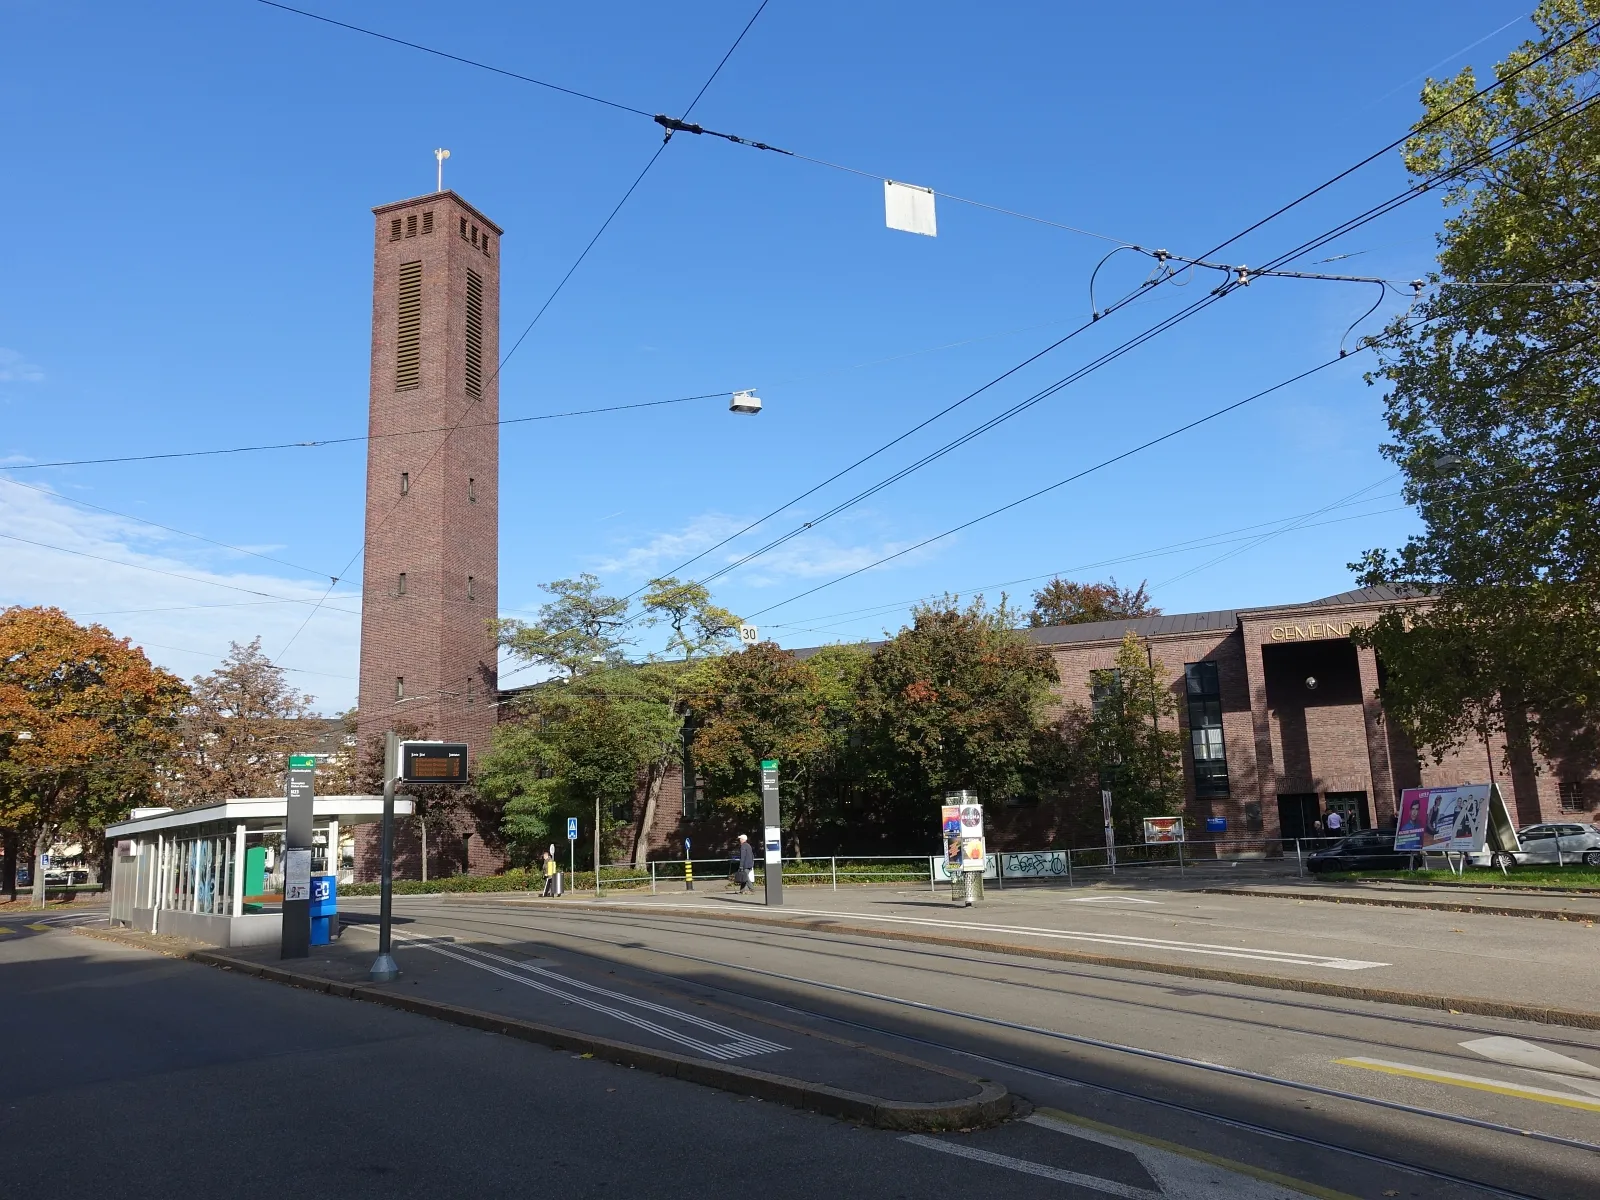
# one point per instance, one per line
(1103, 685)
(472, 491)
(400, 588)
(1205, 729)
(405, 483)
(463, 229)
(411, 225)
(427, 222)
(1573, 799)
(486, 245)
(474, 235)
(399, 687)
(408, 343)
(472, 591)
(474, 334)
(394, 230)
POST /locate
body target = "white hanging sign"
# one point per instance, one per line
(910, 208)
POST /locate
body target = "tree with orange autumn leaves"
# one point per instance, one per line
(87, 726)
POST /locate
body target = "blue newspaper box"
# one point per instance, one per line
(324, 909)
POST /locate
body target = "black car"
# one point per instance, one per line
(1369, 850)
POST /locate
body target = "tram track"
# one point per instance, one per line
(481, 925)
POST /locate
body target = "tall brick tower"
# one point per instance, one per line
(431, 582)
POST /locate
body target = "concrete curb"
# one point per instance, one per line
(1475, 1005)
(990, 1106)
(1455, 906)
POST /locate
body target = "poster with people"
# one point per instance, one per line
(1457, 819)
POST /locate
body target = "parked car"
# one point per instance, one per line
(1577, 844)
(1369, 850)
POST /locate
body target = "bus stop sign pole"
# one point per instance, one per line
(384, 969)
(299, 791)
(772, 839)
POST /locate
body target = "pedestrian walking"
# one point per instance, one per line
(747, 865)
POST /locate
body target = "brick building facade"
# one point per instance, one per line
(1280, 723)
(431, 578)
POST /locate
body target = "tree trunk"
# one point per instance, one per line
(1519, 760)
(9, 882)
(41, 847)
(652, 792)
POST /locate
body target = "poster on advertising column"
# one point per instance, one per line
(1464, 819)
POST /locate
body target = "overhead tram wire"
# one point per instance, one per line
(1410, 193)
(232, 587)
(1076, 475)
(168, 528)
(1371, 214)
(543, 308)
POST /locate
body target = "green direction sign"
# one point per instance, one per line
(302, 762)
(769, 764)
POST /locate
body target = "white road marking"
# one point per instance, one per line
(1514, 1052)
(1178, 1175)
(738, 1045)
(1023, 1166)
(1110, 899)
(1284, 957)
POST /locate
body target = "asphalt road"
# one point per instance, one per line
(1506, 1104)
(133, 1075)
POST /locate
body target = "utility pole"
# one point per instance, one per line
(384, 969)
(597, 846)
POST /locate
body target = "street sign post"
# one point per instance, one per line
(384, 969)
(1111, 838)
(772, 839)
(299, 792)
(572, 848)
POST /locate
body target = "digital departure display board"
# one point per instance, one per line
(433, 762)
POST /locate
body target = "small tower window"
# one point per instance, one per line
(405, 483)
(394, 230)
(472, 491)
(411, 225)
(399, 687)
(474, 235)
(472, 591)
(486, 244)
(400, 588)
(427, 222)
(463, 229)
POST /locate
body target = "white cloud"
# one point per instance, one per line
(184, 624)
(16, 369)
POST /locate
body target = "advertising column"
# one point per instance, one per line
(772, 838)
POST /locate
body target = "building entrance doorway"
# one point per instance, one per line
(1298, 813)
(1352, 806)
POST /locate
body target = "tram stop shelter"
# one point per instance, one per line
(202, 873)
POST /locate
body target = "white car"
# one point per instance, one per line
(1559, 841)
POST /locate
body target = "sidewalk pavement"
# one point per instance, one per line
(579, 1006)
(1488, 965)
(1552, 904)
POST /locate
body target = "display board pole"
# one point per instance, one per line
(772, 839)
(384, 968)
(299, 787)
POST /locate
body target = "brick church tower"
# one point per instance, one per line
(431, 578)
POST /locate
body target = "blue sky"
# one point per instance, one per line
(187, 266)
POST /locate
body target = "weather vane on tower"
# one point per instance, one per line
(440, 154)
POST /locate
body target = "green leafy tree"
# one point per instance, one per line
(765, 703)
(1117, 743)
(952, 701)
(698, 627)
(577, 632)
(1064, 602)
(1493, 409)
